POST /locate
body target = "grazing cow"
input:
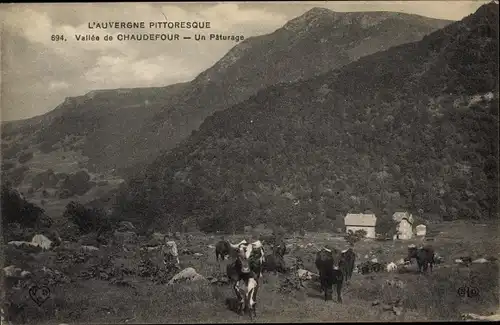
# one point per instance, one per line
(423, 255)
(275, 261)
(346, 263)
(240, 270)
(170, 253)
(280, 249)
(222, 249)
(329, 273)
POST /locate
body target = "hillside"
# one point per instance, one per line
(412, 128)
(114, 129)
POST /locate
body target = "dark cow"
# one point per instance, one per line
(280, 249)
(346, 263)
(275, 262)
(222, 249)
(423, 255)
(240, 270)
(329, 273)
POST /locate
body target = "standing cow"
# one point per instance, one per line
(170, 254)
(329, 273)
(423, 255)
(247, 266)
(222, 249)
(346, 263)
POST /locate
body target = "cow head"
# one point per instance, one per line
(412, 252)
(242, 260)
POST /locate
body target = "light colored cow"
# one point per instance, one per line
(170, 252)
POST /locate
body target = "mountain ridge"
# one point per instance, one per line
(382, 133)
(115, 132)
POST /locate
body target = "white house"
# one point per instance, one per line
(405, 225)
(359, 221)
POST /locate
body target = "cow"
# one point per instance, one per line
(280, 249)
(275, 261)
(222, 249)
(240, 270)
(254, 253)
(423, 255)
(170, 253)
(329, 273)
(346, 263)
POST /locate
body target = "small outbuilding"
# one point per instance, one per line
(358, 221)
(420, 230)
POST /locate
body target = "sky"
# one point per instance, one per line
(38, 73)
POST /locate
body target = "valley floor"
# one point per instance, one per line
(425, 297)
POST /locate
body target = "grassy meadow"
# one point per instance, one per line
(140, 300)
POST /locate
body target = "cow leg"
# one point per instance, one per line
(339, 292)
(254, 295)
(236, 288)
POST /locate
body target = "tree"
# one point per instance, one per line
(87, 219)
(16, 209)
(386, 227)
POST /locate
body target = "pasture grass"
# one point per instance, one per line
(425, 296)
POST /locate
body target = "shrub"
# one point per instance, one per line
(16, 176)
(16, 209)
(353, 237)
(386, 227)
(25, 157)
(77, 183)
(44, 179)
(86, 219)
(46, 147)
(8, 165)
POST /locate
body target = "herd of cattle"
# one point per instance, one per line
(334, 267)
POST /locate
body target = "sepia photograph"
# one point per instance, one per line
(249, 162)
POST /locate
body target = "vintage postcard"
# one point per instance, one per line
(306, 161)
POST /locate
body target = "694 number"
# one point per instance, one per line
(57, 38)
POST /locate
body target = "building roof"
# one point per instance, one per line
(360, 219)
(399, 216)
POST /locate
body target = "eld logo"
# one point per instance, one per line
(467, 291)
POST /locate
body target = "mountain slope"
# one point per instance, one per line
(410, 127)
(117, 128)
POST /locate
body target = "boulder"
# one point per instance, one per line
(481, 260)
(85, 248)
(126, 226)
(306, 275)
(187, 275)
(20, 243)
(41, 241)
(12, 271)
